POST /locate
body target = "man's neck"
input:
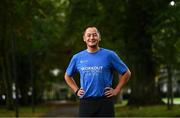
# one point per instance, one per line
(93, 49)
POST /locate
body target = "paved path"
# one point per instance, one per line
(64, 109)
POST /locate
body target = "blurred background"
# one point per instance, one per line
(39, 37)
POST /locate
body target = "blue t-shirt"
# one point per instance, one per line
(96, 70)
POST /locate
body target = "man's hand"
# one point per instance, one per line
(110, 92)
(80, 92)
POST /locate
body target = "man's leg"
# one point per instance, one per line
(88, 108)
(107, 108)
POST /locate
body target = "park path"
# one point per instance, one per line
(63, 109)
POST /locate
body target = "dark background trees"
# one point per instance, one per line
(48, 32)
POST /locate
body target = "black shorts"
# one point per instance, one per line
(96, 107)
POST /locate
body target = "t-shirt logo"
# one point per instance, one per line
(97, 69)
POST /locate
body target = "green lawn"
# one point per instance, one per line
(148, 111)
(26, 111)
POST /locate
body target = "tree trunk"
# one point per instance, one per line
(139, 49)
(5, 53)
(144, 91)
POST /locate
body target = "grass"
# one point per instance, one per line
(40, 110)
(148, 111)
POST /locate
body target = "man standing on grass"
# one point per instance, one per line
(96, 66)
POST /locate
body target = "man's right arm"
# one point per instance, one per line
(70, 81)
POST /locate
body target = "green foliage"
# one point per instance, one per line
(144, 33)
(36, 27)
(166, 36)
(147, 111)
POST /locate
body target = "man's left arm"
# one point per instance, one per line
(122, 81)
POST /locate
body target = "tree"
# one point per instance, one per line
(165, 42)
(140, 15)
(35, 27)
(6, 52)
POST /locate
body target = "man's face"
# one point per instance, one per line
(91, 37)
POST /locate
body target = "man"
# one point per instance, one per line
(96, 66)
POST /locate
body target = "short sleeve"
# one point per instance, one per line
(118, 64)
(71, 69)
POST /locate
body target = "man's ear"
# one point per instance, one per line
(84, 39)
